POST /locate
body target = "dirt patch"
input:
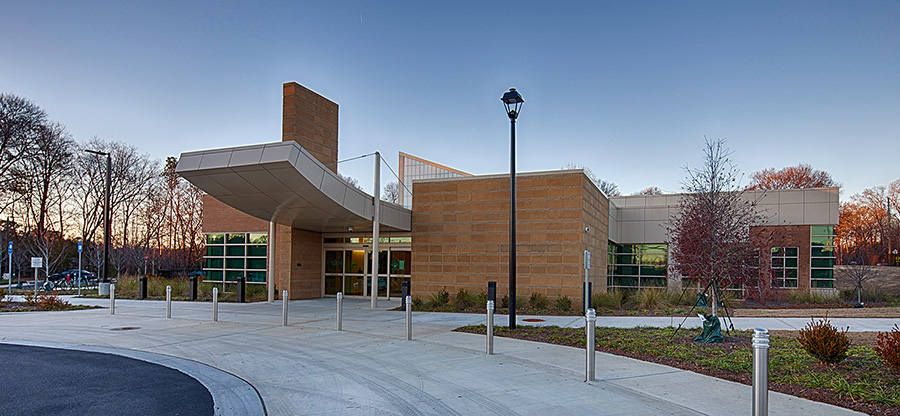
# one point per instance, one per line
(818, 313)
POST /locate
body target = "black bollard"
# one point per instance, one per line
(193, 283)
(241, 289)
(142, 287)
(404, 292)
(492, 291)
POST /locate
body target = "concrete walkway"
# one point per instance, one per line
(371, 369)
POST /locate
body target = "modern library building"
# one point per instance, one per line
(279, 215)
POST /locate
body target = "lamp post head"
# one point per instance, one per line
(513, 102)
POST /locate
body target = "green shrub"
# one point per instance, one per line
(538, 301)
(888, 347)
(465, 299)
(609, 300)
(417, 303)
(438, 299)
(563, 303)
(824, 342)
(504, 301)
(481, 299)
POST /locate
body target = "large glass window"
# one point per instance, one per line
(234, 255)
(784, 267)
(821, 256)
(637, 266)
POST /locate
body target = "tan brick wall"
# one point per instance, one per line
(298, 260)
(787, 236)
(460, 234)
(311, 120)
(221, 218)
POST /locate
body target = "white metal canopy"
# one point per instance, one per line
(283, 183)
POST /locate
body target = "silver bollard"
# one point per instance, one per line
(760, 347)
(490, 327)
(408, 318)
(340, 309)
(168, 301)
(590, 322)
(284, 306)
(215, 304)
(112, 299)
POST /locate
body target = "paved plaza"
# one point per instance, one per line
(248, 360)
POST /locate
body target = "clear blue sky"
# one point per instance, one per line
(626, 88)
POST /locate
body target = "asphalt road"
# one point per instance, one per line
(50, 381)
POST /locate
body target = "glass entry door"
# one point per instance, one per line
(349, 270)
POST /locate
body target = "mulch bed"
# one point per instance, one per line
(738, 344)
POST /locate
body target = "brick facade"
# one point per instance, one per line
(787, 236)
(298, 261)
(221, 218)
(311, 120)
(460, 234)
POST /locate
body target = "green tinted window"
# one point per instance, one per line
(790, 262)
(256, 264)
(256, 251)
(232, 275)
(626, 270)
(215, 250)
(258, 238)
(653, 270)
(235, 238)
(214, 275)
(624, 281)
(653, 259)
(823, 263)
(654, 248)
(334, 261)
(213, 263)
(234, 251)
(653, 281)
(234, 263)
(401, 239)
(215, 238)
(822, 252)
(790, 251)
(627, 259)
(826, 241)
(256, 277)
(821, 230)
(822, 274)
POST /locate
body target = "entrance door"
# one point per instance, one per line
(382, 273)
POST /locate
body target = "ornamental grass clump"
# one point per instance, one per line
(438, 299)
(538, 301)
(824, 342)
(888, 347)
(465, 299)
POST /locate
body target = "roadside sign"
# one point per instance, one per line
(587, 259)
(146, 257)
(79, 246)
(9, 249)
(37, 262)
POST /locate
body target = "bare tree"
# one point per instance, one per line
(650, 190)
(391, 192)
(608, 188)
(859, 269)
(710, 237)
(351, 180)
(21, 121)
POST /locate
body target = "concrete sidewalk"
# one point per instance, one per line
(370, 368)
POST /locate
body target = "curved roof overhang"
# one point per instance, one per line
(282, 182)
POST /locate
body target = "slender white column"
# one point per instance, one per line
(270, 269)
(376, 220)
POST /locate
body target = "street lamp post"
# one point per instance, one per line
(105, 277)
(513, 102)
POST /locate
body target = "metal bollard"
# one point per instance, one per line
(490, 327)
(340, 309)
(192, 282)
(168, 301)
(142, 287)
(112, 299)
(590, 322)
(215, 304)
(284, 306)
(760, 347)
(408, 318)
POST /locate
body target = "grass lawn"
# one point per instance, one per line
(861, 382)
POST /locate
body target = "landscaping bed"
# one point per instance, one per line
(41, 302)
(860, 382)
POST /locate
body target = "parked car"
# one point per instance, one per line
(71, 276)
